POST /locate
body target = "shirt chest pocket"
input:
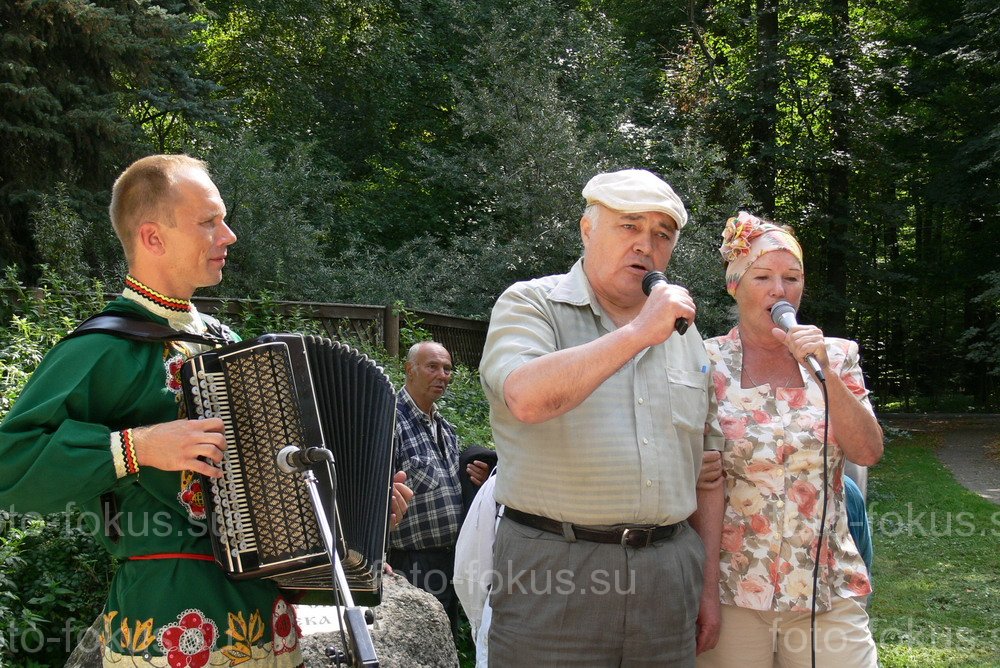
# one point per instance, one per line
(688, 399)
(422, 474)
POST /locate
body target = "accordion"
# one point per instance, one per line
(284, 390)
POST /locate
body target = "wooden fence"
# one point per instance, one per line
(377, 325)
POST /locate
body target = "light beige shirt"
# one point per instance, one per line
(631, 452)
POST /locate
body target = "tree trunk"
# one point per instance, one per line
(763, 144)
(839, 177)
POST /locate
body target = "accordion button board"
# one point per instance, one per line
(283, 390)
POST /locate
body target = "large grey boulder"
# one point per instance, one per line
(411, 629)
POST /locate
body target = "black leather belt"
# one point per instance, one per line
(624, 536)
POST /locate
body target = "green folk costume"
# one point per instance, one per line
(68, 440)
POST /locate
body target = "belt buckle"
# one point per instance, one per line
(628, 533)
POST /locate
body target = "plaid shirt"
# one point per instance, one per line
(434, 515)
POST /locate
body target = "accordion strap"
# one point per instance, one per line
(172, 555)
(137, 328)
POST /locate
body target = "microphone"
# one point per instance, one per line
(783, 316)
(292, 458)
(652, 278)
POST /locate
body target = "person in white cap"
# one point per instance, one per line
(601, 409)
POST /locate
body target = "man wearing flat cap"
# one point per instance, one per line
(601, 411)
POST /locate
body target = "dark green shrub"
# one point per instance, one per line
(53, 576)
(54, 581)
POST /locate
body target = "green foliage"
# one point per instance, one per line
(59, 234)
(54, 583)
(264, 314)
(869, 127)
(274, 205)
(411, 329)
(940, 403)
(54, 576)
(982, 344)
(434, 152)
(710, 188)
(82, 83)
(12, 612)
(37, 319)
(542, 97)
(466, 407)
(465, 645)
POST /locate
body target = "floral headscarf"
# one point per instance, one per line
(746, 238)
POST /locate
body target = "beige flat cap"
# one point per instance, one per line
(635, 190)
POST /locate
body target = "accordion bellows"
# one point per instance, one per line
(287, 389)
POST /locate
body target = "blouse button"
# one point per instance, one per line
(649, 483)
(640, 401)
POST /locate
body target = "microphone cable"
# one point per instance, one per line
(783, 316)
(822, 522)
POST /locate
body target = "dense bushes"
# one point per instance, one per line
(53, 576)
(53, 582)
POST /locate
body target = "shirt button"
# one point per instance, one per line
(640, 401)
(781, 471)
(645, 441)
(780, 504)
(649, 483)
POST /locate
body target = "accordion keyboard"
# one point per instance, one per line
(282, 390)
(232, 525)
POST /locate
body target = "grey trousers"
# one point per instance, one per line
(558, 602)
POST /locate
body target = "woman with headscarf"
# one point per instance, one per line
(771, 408)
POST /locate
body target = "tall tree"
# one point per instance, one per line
(841, 229)
(765, 82)
(81, 81)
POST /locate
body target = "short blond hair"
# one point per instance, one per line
(141, 191)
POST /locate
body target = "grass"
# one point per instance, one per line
(937, 563)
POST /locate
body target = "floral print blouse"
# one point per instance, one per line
(774, 471)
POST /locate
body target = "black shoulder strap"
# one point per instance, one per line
(138, 328)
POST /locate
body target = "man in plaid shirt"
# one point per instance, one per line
(422, 548)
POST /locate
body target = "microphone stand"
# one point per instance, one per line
(360, 651)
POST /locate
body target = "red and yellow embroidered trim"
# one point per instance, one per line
(123, 453)
(128, 452)
(158, 298)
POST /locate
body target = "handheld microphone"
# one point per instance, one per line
(292, 459)
(783, 316)
(652, 278)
